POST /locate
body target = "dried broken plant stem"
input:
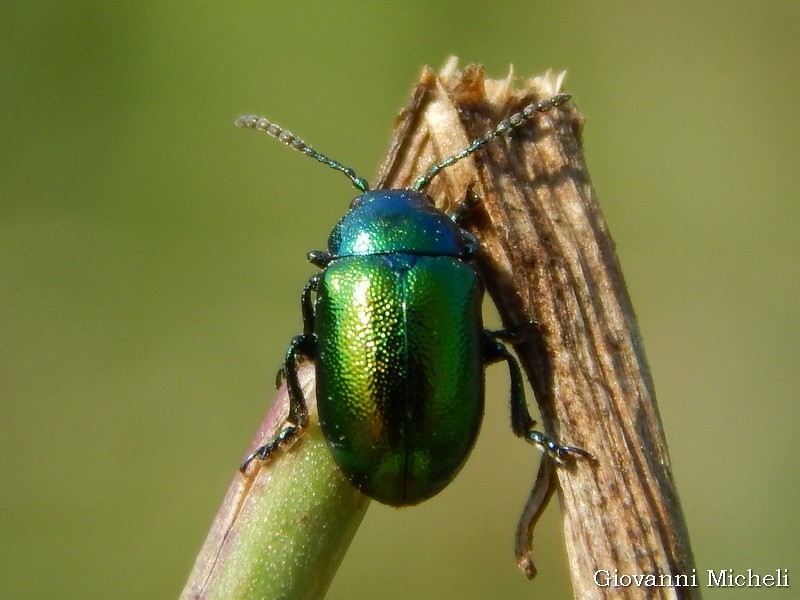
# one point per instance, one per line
(547, 256)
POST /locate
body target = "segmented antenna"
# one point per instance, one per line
(503, 127)
(291, 140)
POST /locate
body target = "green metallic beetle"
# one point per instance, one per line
(398, 340)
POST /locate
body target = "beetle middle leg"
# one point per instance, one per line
(301, 345)
(522, 424)
(307, 309)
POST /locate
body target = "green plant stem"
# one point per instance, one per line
(284, 527)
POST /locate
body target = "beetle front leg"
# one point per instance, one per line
(521, 421)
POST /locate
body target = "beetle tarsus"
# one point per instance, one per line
(285, 438)
(553, 448)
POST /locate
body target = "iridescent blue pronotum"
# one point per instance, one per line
(393, 323)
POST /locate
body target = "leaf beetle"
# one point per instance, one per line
(393, 323)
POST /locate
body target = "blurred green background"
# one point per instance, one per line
(152, 256)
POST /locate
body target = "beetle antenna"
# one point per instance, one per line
(291, 140)
(503, 127)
